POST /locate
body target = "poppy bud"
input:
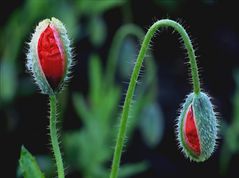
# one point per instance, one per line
(197, 127)
(49, 56)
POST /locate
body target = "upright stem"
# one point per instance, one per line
(54, 137)
(133, 80)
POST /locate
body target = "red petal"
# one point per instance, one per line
(51, 56)
(190, 132)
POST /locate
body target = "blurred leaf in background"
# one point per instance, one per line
(97, 30)
(90, 148)
(152, 125)
(169, 5)
(230, 145)
(8, 82)
(89, 7)
(127, 58)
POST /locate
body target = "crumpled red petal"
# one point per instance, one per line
(51, 56)
(191, 133)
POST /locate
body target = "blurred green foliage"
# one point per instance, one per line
(97, 30)
(152, 125)
(92, 8)
(230, 133)
(8, 82)
(169, 4)
(89, 149)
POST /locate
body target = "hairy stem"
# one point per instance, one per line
(133, 80)
(54, 137)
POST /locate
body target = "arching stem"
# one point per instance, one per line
(54, 137)
(133, 80)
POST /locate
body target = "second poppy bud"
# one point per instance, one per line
(197, 127)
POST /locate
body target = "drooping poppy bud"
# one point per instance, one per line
(197, 127)
(49, 57)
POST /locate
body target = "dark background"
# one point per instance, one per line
(214, 28)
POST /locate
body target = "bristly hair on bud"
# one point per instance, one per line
(197, 127)
(49, 58)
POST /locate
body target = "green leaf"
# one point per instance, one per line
(152, 125)
(28, 165)
(127, 170)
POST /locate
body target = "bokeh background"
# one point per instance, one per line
(106, 38)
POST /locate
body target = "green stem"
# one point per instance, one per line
(133, 80)
(54, 137)
(114, 51)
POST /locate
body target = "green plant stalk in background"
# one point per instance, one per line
(230, 131)
(54, 136)
(122, 33)
(133, 80)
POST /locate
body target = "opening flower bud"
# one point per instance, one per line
(197, 127)
(49, 57)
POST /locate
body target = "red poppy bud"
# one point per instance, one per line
(49, 57)
(190, 131)
(197, 127)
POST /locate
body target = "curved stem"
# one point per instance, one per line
(133, 80)
(54, 137)
(126, 30)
